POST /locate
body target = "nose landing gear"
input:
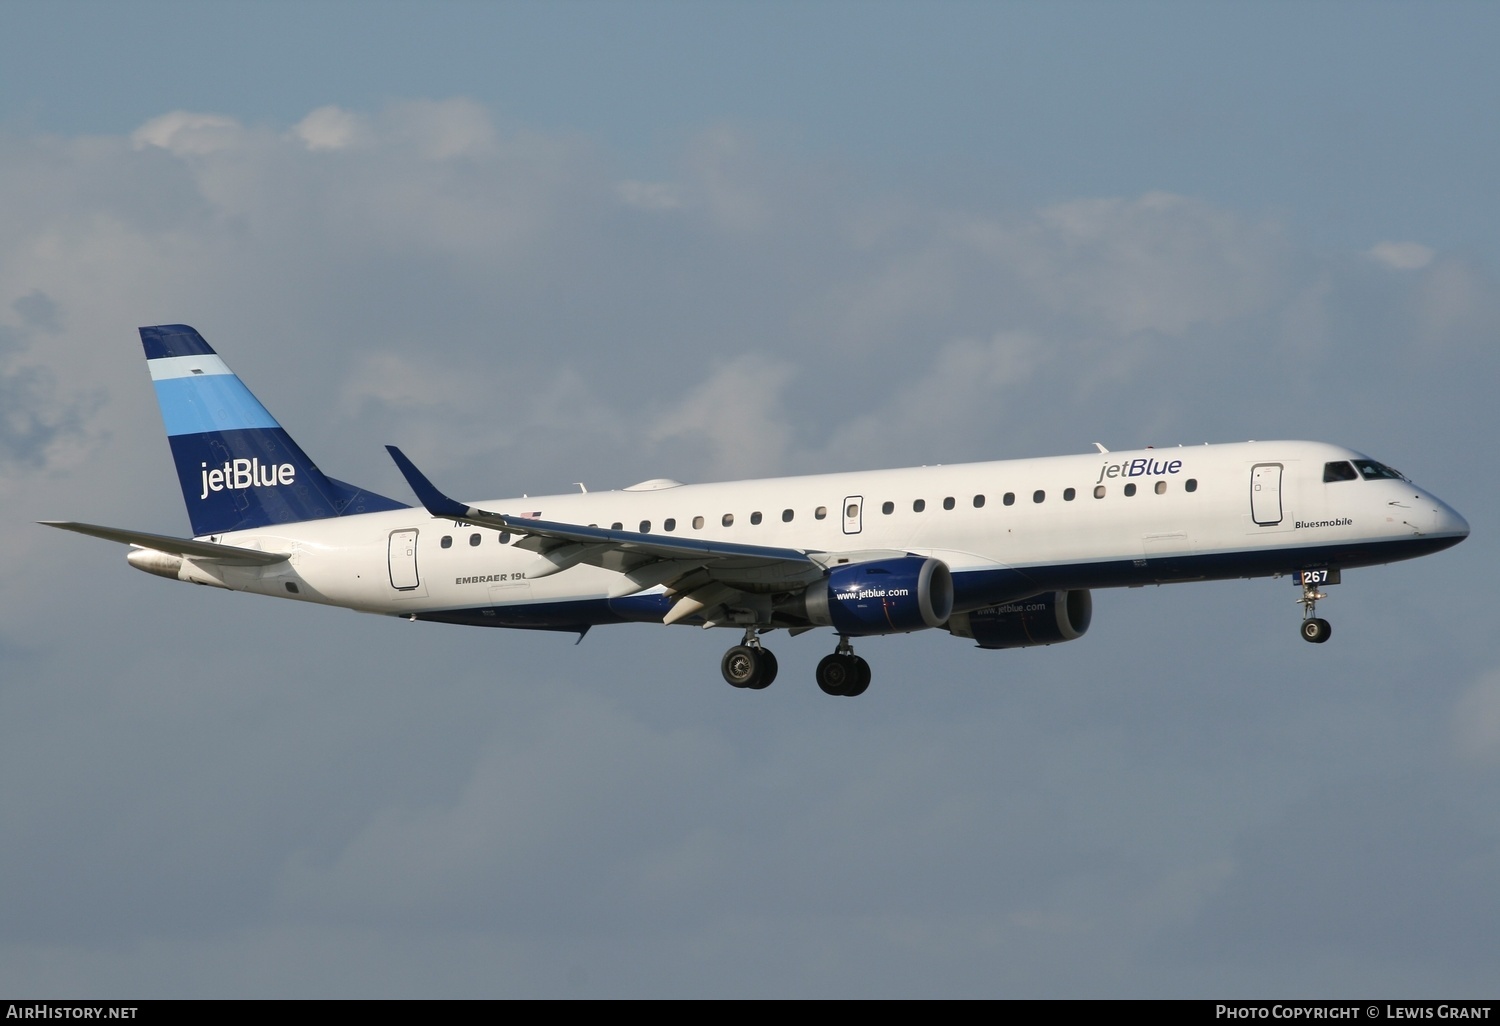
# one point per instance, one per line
(1314, 628)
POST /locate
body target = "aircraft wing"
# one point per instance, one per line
(230, 555)
(646, 559)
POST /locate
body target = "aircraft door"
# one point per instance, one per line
(1265, 494)
(403, 560)
(853, 505)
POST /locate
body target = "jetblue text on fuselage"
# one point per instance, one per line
(1143, 467)
(238, 475)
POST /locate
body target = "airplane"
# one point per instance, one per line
(1005, 554)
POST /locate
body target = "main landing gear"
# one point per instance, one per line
(747, 665)
(1314, 628)
(843, 673)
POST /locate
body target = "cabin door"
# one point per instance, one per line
(403, 560)
(1265, 494)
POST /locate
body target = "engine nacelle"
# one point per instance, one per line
(882, 596)
(162, 564)
(1042, 619)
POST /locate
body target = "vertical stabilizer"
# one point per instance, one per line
(238, 469)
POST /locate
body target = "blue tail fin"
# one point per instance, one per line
(238, 469)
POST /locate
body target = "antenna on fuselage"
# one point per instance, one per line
(1100, 447)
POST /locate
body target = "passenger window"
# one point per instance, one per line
(617, 526)
(821, 513)
(1191, 485)
(919, 505)
(786, 516)
(697, 523)
(505, 537)
(1161, 488)
(887, 508)
(948, 502)
(1339, 470)
(669, 524)
(1010, 499)
(728, 520)
(978, 501)
(755, 517)
(852, 511)
(645, 527)
(1038, 496)
(447, 541)
(1130, 488)
(474, 539)
(1098, 491)
(1068, 494)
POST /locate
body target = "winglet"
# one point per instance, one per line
(435, 502)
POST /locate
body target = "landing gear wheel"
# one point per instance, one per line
(767, 669)
(861, 677)
(1316, 629)
(836, 673)
(843, 674)
(744, 667)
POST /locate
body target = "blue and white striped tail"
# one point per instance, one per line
(238, 469)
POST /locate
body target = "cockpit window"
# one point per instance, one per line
(1339, 470)
(1373, 471)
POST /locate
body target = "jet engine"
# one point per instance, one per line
(1042, 619)
(882, 596)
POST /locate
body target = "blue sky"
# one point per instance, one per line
(541, 243)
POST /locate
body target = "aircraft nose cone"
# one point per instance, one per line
(1457, 524)
(1448, 521)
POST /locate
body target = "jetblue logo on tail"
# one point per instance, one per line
(237, 475)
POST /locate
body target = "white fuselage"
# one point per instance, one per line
(1005, 529)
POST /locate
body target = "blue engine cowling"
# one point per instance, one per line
(1042, 619)
(882, 596)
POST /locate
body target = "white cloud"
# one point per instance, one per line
(444, 129)
(734, 418)
(723, 165)
(331, 128)
(1159, 263)
(961, 392)
(1401, 256)
(184, 133)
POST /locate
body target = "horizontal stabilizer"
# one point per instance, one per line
(230, 555)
